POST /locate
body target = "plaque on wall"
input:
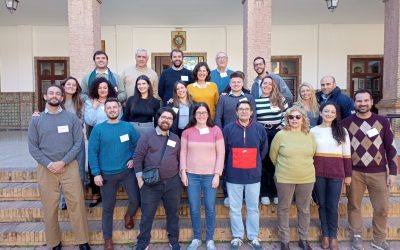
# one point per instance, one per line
(178, 40)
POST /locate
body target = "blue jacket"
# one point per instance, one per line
(345, 103)
(238, 137)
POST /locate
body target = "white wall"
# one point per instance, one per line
(324, 48)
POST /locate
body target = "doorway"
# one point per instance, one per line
(48, 71)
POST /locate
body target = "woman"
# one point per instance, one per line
(308, 102)
(270, 108)
(202, 90)
(141, 108)
(100, 90)
(292, 151)
(183, 105)
(332, 164)
(201, 164)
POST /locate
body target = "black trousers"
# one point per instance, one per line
(109, 193)
(169, 192)
(95, 189)
(268, 188)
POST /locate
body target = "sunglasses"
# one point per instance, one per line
(291, 117)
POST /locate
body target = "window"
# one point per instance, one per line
(366, 72)
(289, 68)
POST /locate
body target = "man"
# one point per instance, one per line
(330, 92)
(175, 73)
(159, 148)
(130, 74)
(221, 74)
(246, 145)
(111, 147)
(259, 68)
(372, 150)
(54, 140)
(100, 59)
(226, 109)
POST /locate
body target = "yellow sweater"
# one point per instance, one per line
(292, 154)
(209, 95)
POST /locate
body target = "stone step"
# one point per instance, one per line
(32, 233)
(11, 191)
(30, 211)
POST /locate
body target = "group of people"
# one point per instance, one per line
(201, 130)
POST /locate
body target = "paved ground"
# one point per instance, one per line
(220, 246)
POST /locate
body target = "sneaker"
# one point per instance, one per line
(276, 200)
(226, 202)
(175, 246)
(265, 200)
(357, 242)
(381, 245)
(255, 244)
(194, 245)
(236, 243)
(211, 245)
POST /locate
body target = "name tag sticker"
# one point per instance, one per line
(372, 132)
(223, 74)
(175, 110)
(184, 78)
(243, 99)
(204, 131)
(124, 138)
(62, 129)
(171, 143)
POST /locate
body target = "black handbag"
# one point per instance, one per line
(151, 174)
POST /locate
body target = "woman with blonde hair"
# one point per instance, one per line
(308, 101)
(292, 152)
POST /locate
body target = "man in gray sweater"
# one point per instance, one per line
(54, 141)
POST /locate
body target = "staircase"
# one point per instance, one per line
(21, 217)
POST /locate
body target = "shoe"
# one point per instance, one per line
(129, 223)
(84, 246)
(275, 201)
(265, 200)
(226, 202)
(95, 202)
(108, 244)
(196, 243)
(304, 245)
(211, 245)
(58, 247)
(325, 242)
(333, 244)
(285, 246)
(357, 242)
(236, 243)
(255, 244)
(63, 206)
(142, 247)
(381, 245)
(175, 246)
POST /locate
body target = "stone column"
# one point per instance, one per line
(390, 103)
(84, 35)
(257, 16)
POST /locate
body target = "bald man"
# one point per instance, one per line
(331, 93)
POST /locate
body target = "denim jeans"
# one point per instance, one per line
(201, 183)
(328, 194)
(235, 194)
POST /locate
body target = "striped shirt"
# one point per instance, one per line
(268, 114)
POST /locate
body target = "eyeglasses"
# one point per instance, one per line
(201, 113)
(167, 118)
(221, 57)
(258, 64)
(244, 109)
(291, 117)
